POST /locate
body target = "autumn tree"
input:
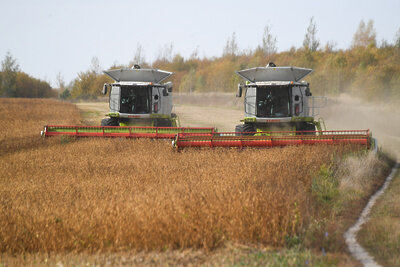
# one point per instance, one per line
(27, 86)
(330, 46)
(195, 53)
(60, 82)
(397, 39)
(188, 83)
(95, 65)
(138, 57)
(231, 47)
(268, 45)
(89, 83)
(310, 41)
(165, 54)
(64, 93)
(365, 35)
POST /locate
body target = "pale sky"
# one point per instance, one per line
(53, 36)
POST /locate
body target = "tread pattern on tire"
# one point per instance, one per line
(109, 122)
(245, 129)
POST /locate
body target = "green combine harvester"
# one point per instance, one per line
(137, 98)
(279, 110)
(275, 99)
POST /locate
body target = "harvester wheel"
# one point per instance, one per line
(245, 129)
(163, 123)
(306, 126)
(109, 122)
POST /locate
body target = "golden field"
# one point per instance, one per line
(66, 195)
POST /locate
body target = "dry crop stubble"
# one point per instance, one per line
(22, 120)
(64, 195)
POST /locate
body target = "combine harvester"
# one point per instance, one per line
(279, 111)
(140, 107)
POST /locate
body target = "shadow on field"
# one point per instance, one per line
(17, 144)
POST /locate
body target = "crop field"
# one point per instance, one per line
(62, 195)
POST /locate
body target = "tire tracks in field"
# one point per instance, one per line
(356, 250)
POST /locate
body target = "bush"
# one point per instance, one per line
(325, 186)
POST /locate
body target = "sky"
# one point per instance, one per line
(51, 37)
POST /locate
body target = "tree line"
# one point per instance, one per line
(15, 83)
(366, 69)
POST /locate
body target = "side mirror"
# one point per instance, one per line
(104, 91)
(168, 86)
(308, 92)
(165, 92)
(239, 91)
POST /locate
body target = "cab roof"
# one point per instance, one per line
(138, 75)
(268, 74)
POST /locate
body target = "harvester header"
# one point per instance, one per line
(274, 139)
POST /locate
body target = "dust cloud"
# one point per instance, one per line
(348, 113)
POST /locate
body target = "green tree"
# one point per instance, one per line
(66, 94)
(310, 41)
(9, 68)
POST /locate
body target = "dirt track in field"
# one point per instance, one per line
(223, 118)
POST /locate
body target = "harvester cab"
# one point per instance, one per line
(137, 98)
(275, 99)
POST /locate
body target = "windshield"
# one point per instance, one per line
(273, 101)
(135, 100)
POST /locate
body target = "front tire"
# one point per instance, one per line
(306, 126)
(245, 129)
(110, 122)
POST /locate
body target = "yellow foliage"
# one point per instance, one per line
(368, 71)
